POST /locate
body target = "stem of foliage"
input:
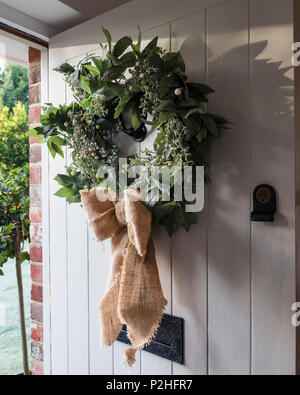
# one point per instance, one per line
(21, 300)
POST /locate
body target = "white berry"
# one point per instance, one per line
(178, 91)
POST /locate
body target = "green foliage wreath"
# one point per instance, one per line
(131, 86)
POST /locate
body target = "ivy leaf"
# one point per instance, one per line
(65, 68)
(121, 46)
(108, 37)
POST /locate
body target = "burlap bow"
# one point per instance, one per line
(134, 295)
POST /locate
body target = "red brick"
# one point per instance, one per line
(37, 368)
(35, 175)
(35, 194)
(37, 351)
(36, 332)
(36, 233)
(34, 73)
(37, 312)
(36, 214)
(37, 273)
(37, 293)
(34, 114)
(36, 253)
(33, 140)
(35, 94)
(35, 153)
(34, 55)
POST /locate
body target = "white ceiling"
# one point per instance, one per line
(51, 12)
(54, 16)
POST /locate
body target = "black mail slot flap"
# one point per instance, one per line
(168, 342)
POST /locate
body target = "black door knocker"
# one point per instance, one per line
(264, 204)
(138, 134)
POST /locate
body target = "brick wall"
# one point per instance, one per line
(36, 251)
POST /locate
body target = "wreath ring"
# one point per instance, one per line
(122, 92)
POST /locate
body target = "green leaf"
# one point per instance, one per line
(114, 73)
(65, 68)
(135, 119)
(167, 106)
(158, 144)
(199, 91)
(172, 62)
(128, 60)
(198, 110)
(151, 47)
(86, 84)
(108, 37)
(92, 69)
(163, 86)
(64, 192)
(181, 62)
(25, 256)
(163, 116)
(121, 46)
(54, 145)
(139, 43)
(125, 105)
(118, 89)
(219, 120)
(212, 125)
(86, 102)
(64, 180)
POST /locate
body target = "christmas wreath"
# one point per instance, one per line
(130, 90)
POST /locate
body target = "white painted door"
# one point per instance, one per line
(231, 280)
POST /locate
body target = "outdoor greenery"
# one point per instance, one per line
(14, 180)
(14, 86)
(14, 143)
(14, 214)
(145, 87)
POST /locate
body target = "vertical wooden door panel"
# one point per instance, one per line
(190, 249)
(152, 364)
(101, 358)
(229, 198)
(273, 248)
(58, 248)
(78, 293)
